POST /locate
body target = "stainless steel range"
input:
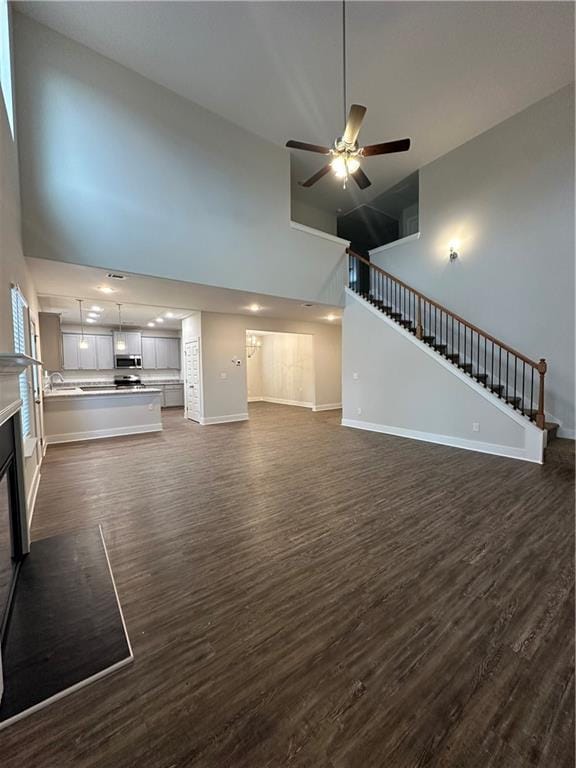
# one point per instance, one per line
(128, 382)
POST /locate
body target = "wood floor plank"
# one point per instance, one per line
(300, 594)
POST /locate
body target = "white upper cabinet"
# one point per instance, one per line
(87, 356)
(98, 355)
(71, 360)
(160, 352)
(134, 343)
(172, 353)
(104, 353)
(148, 352)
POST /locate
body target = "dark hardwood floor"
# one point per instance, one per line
(300, 594)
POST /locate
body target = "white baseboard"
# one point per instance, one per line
(31, 498)
(280, 401)
(454, 442)
(255, 399)
(207, 420)
(98, 434)
(569, 434)
(327, 407)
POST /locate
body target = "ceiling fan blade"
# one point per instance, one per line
(355, 117)
(361, 179)
(386, 148)
(317, 176)
(308, 147)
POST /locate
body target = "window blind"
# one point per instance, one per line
(19, 308)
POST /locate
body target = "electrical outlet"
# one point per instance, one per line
(355, 376)
(223, 375)
(475, 426)
(359, 411)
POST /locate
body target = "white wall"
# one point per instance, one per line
(287, 365)
(314, 217)
(508, 195)
(223, 339)
(396, 385)
(254, 376)
(122, 173)
(13, 270)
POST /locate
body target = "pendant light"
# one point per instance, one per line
(120, 340)
(83, 343)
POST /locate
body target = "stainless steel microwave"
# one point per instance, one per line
(128, 361)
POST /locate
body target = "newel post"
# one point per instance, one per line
(419, 332)
(540, 416)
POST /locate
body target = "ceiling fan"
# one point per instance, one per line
(345, 154)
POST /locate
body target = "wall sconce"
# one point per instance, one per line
(454, 245)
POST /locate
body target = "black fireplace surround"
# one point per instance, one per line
(12, 516)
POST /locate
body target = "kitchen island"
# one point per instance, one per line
(73, 413)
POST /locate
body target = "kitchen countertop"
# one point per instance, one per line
(110, 382)
(77, 392)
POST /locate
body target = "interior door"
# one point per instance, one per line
(192, 380)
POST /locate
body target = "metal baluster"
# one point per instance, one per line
(515, 372)
(492, 367)
(523, 382)
(532, 396)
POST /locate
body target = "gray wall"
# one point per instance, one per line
(224, 338)
(313, 217)
(122, 173)
(508, 196)
(390, 384)
(13, 271)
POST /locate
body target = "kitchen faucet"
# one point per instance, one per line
(51, 379)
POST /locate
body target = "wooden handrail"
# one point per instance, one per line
(536, 365)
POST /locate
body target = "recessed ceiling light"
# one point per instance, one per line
(254, 307)
(306, 304)
(169, 314)
(115, 276)
(150, 325)
(96, 308)
(105, 289)
(331, 317)
(93, 314)
(159, 319)
(90, 320)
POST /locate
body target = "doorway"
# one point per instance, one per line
(280, 368)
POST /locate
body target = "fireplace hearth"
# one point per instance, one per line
(13, 544)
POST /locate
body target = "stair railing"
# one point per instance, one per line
(509, 374)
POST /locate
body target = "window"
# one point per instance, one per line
(22, 345)
(6, 63)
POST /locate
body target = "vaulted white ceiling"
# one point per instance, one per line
(439, 73)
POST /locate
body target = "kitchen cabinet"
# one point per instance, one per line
(87, 356)
(104, 353)
(98, 355)
(160, 352)
(71, 361)
(172, 353)
(132, 341)
(173, 396)
(148, 352)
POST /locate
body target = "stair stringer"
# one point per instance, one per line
(406, 388)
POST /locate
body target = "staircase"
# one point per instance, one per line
(506, 373)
